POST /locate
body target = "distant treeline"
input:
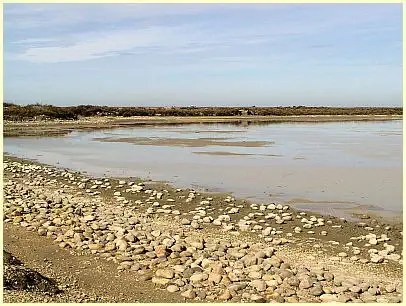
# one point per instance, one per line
(43, 112)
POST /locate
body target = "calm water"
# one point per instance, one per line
(356, 164)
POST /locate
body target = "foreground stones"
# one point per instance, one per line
(178, 258)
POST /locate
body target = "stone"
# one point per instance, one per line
(215, 278)
(160, 251)
(160, 281)
(258, 284)
(89, 218)
(393, 256)
(226, 295)
(293, 281)
(197, 278)
(257, 298)
(373, 241)
(328, 298)
(343, 298)
(165, 273)
(255, 275)
(188, 294)
(94, 246)
(376, 258)
(355, 289)
(156, 233)
(145, 277)
(172, 288)
(366, 297)
(305, 283)
(316, 291)
(390, 288)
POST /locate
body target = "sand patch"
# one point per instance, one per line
(186, 142)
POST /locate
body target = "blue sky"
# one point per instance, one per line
(203, 54)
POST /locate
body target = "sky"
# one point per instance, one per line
(203, 54)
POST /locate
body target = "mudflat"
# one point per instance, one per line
(186, 142)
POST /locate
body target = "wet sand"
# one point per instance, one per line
(186, 142)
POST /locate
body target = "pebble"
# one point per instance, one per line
(188, 294)
(172, 288)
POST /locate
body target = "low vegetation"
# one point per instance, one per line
(15, 112)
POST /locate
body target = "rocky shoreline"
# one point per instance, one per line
(204, 247)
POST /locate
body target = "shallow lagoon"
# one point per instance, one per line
(335, 167)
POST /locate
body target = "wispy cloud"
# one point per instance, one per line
(95, 31)
(100, 45)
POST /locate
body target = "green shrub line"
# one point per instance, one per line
(13, 112)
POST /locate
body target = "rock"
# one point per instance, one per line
(195, 224)
(89, 218)
(94, 246)
(196, 243)
(226, 295)
(271, 206)
(390, 288)
(257, 298)
(390, 248)
(122, 245)
(236, 253)
(366, 297)
(156, 233)
(165, 273)
(373, 241)
(328, 276)
(373, 291)
(355, 289)
(197, 278)
(343, 298)
(188, 294)
(328, 298)
(215, 278)
(255, 274)
(172, 288)
(382, 299)
(18, 277)
(258, 284)
(316, 291)
(393, 256)
(376, 258)
(160, 251)
(305, 283)
(160, 281)
(342, 254)
(293, 281)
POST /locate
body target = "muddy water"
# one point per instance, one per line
(336, 168)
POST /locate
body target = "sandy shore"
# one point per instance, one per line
(156, 243)
(61, 127)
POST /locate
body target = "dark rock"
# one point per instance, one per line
(18, 277)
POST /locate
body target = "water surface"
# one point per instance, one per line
(352, 164)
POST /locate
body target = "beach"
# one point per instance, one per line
(186, 245)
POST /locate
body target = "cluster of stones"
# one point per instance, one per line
(177, 258)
